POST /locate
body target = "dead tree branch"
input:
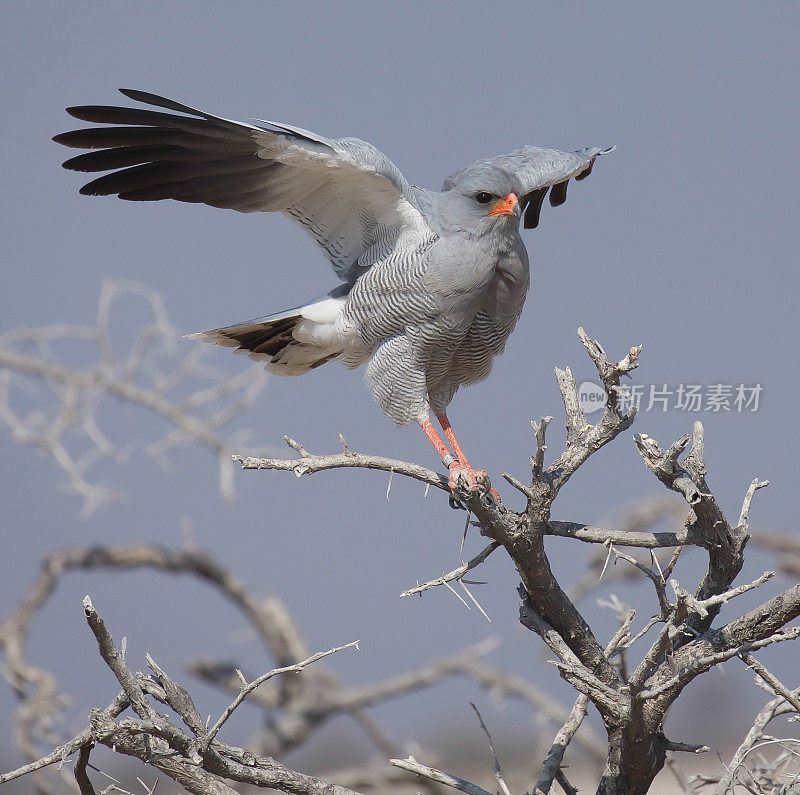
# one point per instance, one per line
(196, 762)
(632, 710)
(438, 776)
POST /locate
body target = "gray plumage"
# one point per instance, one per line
(432, 283)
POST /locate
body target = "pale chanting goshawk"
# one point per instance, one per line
(432, 281)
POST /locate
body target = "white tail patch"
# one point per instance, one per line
(318, 326)
(325, 311)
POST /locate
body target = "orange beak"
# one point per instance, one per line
(505, 206)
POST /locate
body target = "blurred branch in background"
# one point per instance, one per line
(53, 381)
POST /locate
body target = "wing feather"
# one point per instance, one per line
(339, 190)
(540, 169)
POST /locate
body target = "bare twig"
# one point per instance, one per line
(498, 773)
(564, 736)
(199, 767)
(58, 755)
(748, 499)
(777, 686)
(455, 574)
(251, 686)
(433, 774)
(703, 605)
(624, 538)
(309, 464)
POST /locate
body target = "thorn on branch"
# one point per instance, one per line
(657, 579)
(389, 484)
(474, 600)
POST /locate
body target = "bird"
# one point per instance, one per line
(432, 283)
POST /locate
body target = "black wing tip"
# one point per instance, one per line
(137, 95)
(558, 194)
(89, 189)
(78, 111)
(533, 207)
(74, 163)
(88, 112)
(148, 98)
(66, 139)
(531, 218)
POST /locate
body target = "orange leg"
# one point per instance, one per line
(451, 437)
(435, 440)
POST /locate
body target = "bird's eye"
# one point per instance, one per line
(483, 197)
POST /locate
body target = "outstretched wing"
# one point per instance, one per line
(344, 192)
(543, 169)
(538, 170)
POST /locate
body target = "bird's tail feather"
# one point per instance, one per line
(289, 343)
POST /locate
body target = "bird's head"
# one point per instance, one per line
(481, 199)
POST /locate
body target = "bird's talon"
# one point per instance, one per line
(467, 480)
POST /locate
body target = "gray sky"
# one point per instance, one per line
(683, 240)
